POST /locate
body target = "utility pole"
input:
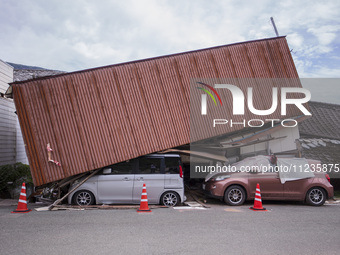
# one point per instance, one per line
(275, 29)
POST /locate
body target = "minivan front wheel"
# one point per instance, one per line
(316, 196)
(234, 195)
(170, 198)
(83, 198)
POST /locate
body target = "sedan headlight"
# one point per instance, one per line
(221, 177)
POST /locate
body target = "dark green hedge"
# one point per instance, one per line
(17, 174)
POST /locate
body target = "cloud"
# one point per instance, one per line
(296, 40)
(325, 72)
(325, 34)
(74, 35)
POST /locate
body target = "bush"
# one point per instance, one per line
(16, 174)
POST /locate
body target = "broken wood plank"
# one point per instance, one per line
(76, 187)
(94, 207)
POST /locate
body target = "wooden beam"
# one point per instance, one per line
(58, 201)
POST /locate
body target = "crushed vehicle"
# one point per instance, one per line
(122, 183)
(295, 179)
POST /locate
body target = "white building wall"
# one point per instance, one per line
(6, 76)
(285, 143)
(20, 145)
(7, 132)
(11, 143)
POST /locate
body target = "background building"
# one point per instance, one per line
(320, 137)
(12, 147)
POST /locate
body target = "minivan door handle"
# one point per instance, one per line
(125, 179)
(140, 179)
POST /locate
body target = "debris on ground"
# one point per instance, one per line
(94, 207)
(195, 195)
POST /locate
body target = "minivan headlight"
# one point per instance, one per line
(221, 177)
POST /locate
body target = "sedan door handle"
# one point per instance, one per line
(125, 179)
(140, 179)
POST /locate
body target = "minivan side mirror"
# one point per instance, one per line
(107, 170)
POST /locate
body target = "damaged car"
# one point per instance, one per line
(294, 179)
(122, 183)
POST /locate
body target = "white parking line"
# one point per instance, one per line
(188, 208)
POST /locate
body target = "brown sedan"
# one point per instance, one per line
(239, 183)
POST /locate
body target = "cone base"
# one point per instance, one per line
(258, 209)
(21, 211)
(147, 210)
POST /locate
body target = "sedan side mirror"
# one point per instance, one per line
(107, 170)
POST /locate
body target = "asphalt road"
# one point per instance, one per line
(221, 229)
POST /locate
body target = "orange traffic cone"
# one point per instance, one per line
(258, 201)
(144, 207)
(22, 205)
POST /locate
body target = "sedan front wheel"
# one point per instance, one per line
(83, 198)
(234, 195)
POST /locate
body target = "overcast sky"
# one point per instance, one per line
(79, 34)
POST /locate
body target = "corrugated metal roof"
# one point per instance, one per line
(101, 116)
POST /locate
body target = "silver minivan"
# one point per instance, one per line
(122, 183)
